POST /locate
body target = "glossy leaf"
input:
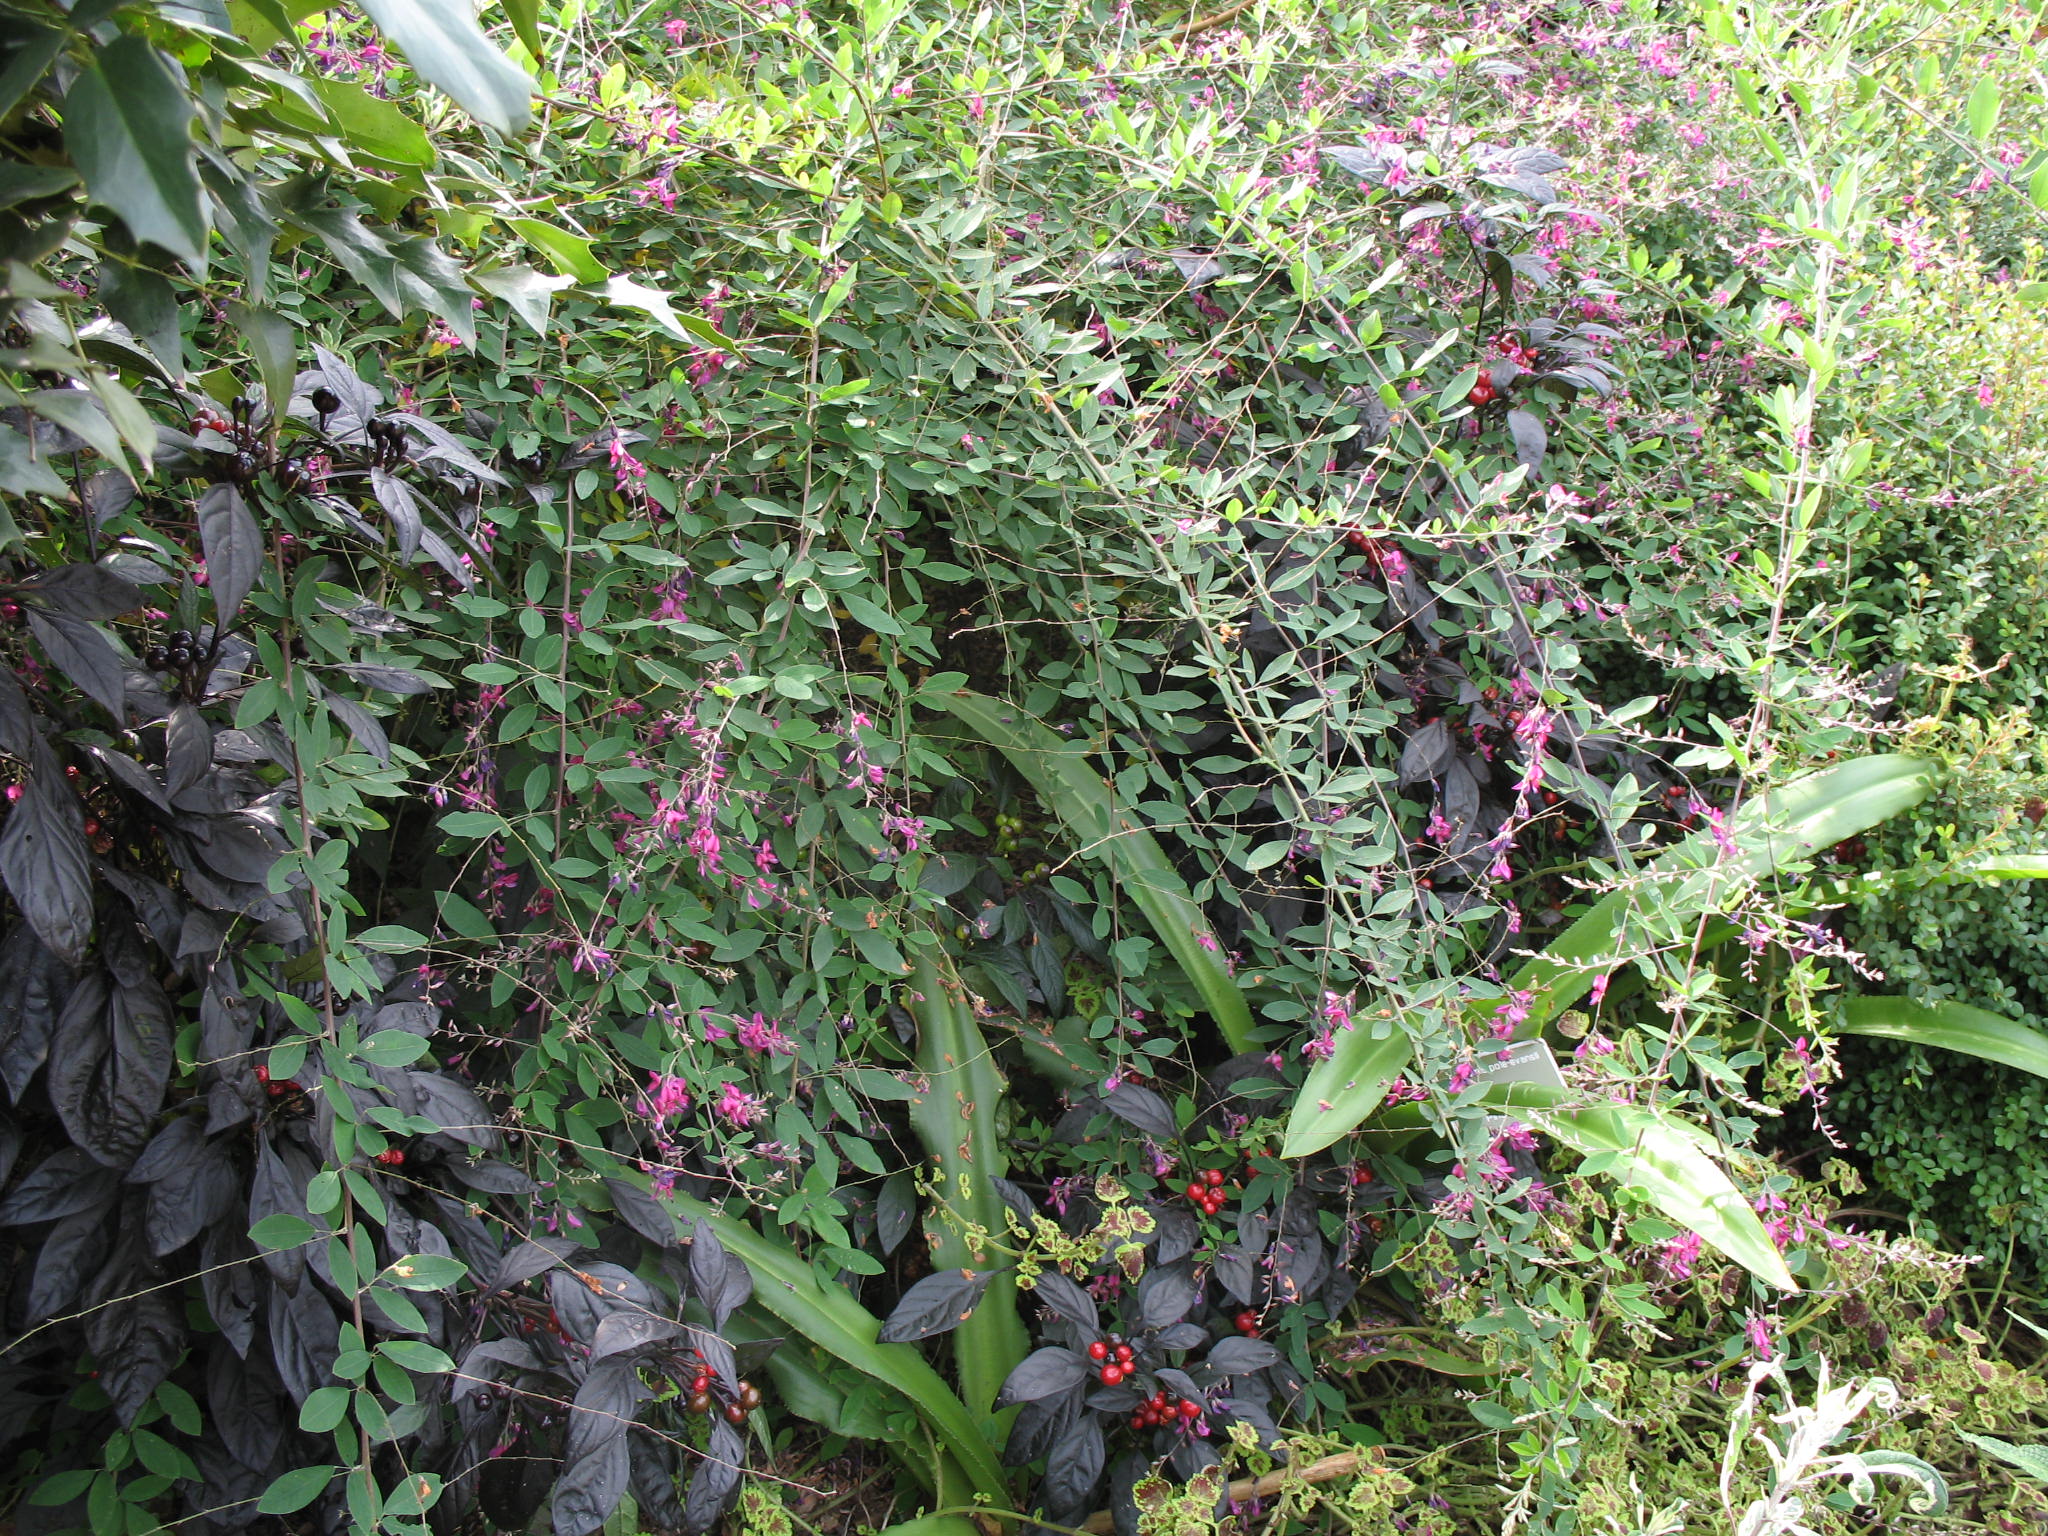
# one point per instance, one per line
(1949, 1027)
(441, 40)
(1778, 828)
(128, 126)
(1341, 1091)
(233, 545)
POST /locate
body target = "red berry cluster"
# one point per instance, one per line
(211, 421)
(1161, 1410)
(275, 1090)
(1116, 1358)
(1483, 391)
(1207, 1191)
(1247, 1323)
(391, 1158)
(736, 1410)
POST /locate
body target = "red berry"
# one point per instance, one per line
(735, 1414)
(1212, 1177)
(262, 1073)
(1112, 1374)
(1195, 1192)
(1190, 1409)
(701, 1382)
(1098, 1350)
(1485, 378)
(1125, 1354)
(1481, 393)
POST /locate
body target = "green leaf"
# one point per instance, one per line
(295, 1490)
(830, 1317)
(1670, 1162)
(374, 125)
(624, 293)
(2030, 1459)
(525, 18)
(392, 1048)
(1951, 1027)
(571, 254)
(281, 1231)
(1340, 1092)
(424, 1272)
(1059, 770)
(531, 294)
(415, 1356)
(323, 1409)
(441, 40)
(128, 126)
(1982, 110)
(956, 1117)
(1779, 827)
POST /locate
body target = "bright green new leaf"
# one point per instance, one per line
(1950, 1026)
(1982, 110)
(624, 293)
(374, 125)
(571, 254)
(1695, 878)
(1059, 770)
(128, 125)
(1670, 1162)
(1343, 1090)
(441, 40)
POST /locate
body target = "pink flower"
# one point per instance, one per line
(1678, 1255)
(1760, 1338)
(739, 1109)
(764, 1038)
(667, 1096)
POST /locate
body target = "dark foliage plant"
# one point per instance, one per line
(867, 732)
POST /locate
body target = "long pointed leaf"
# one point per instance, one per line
(1697, 877)
(829, 1317)
(1669, 1161)
(1951, 1026)
(1342, 1091)
(955, 1117)
(1058, 769)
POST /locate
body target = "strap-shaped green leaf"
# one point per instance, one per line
(1343, 1090)
(955, 1117)
(1950, 1026)
(1699, 876)
(1671, 1162)
(1058, 769)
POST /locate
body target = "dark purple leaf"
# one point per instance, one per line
(397, 680)
(33, 986)
(1176, 1233)
(247, 1407)
(1073, 1471)
(1012, 1194)
(366, 728)
(458, 1112)
(1067, 1299)
(176, 1143)
(17, 726)
(1240, 1357)
(1037, 1426)
(491, 1177)
(83, 592)
(278, 1187)
(85, 656)
(624, 1331)
(305, 1340)
(1233, 1271)
(1142, 1108)
(188, 748)
(192, 1198)
(642, 1212)
(43, 861)
(1165, 1295)
(536, 1256)
(71, 1254)
(240, 848)
(653, 1482)
(895, 1211)
(1428, 752)
(1526, 428)
(595, 1464)
(937, 1304)
(232, 1287)
(721, 1281)
(10, 1147)
(587, 1293)
(716, 1481)
(402, 508)
(1182, 1336)
(1043, 1373)
(110, 1065)
(135, 1340)
(234, 548)
(124, 770)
